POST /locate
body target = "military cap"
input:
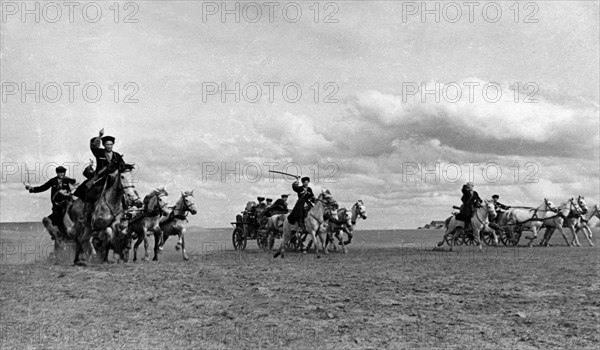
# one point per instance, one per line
(260, 199)
(495, 196)
(269, 199)
(306, 178)
(108, 138)
(61, 169)
(285, 195)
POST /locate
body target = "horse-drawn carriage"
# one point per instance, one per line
(249, 225)
(509, 235)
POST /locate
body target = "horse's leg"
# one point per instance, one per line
(575, 237)
(323, 237)
(341, 239)
(477, 237)
(531, 238)
(138, 241)
(313, 234)
(182, 239)
(157, 242)
(562, 232)
(286, 238)
(587, 233)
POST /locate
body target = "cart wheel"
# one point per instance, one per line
(504, 235)
(468, 238)
(488, 238)
(516, 236)
(239, 239)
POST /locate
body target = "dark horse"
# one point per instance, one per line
(103, 218)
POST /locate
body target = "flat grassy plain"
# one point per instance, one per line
(392, 290)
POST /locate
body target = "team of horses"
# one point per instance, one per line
(573, 214)
(119, 216)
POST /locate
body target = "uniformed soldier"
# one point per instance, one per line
(305, 194)
(500, 208)
(261, 206)
(269, 202)
(107, 161)
(280, 204)
(59, 190)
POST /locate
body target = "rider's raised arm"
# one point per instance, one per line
(42, 188)
(297, 187)
(95, 144)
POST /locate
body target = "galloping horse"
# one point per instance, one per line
(569, 209)
(346, 223)
(147, 222)
(313, 223)
(174, 224)
(532, 218)
(583, 225)
(104, 227)
(478, 222)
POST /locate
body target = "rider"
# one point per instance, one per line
(470, 198)
(500, 208)
(57, 185)
(269, 202)
(305, 194)
(107, 161)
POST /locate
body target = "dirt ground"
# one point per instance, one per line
(393, 290)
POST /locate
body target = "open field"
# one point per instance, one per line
(392, 290)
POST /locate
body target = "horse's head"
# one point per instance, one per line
(329, 204)
(126, 185)
(548, 205)
(361, 209)
(582, 204)
(158, 201)
(490, 209)
(189, 201)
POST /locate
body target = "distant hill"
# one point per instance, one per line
(21, 226)
(434, 225)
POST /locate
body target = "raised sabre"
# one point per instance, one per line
(281, 172)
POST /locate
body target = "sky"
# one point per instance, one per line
(376, 100)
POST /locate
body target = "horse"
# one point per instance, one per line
(585, 218)
(147, 222)
(530, 219)
(275, 226)
(569, 209)
(174, 224)
(104, 229)
(478, 222)
(345, 223)
(313, 222)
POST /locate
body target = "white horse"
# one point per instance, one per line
(174, 224)
(345, 223)
(532, 218)
(479, 221)
(567, 210)
(313, 223)
(584, 226)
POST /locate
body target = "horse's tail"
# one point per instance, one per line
(447, 222)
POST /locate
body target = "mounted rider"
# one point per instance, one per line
(470, 200)
(305, 194)
(107, 161)
(500, 208)
(60, 192)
